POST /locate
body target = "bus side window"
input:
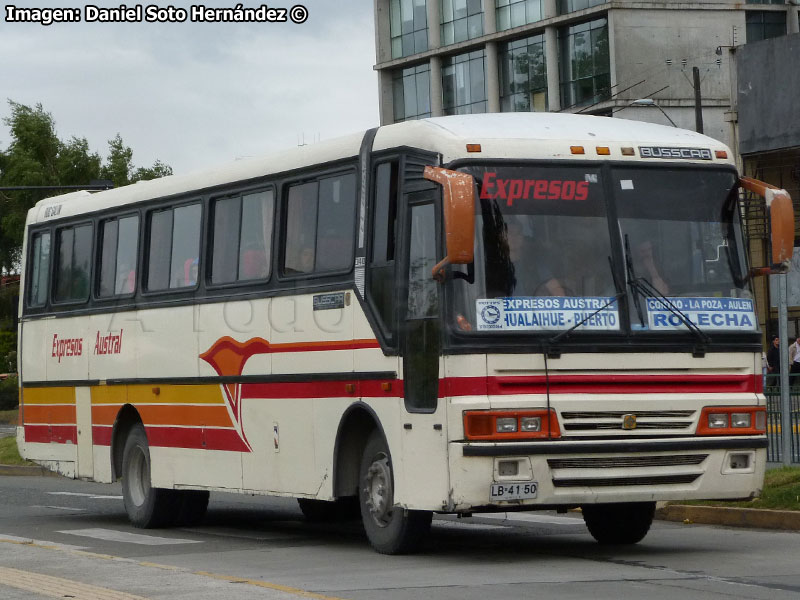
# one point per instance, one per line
(422, 330)
(320, 224)
(73, 262)
(40, 259)
(174, 248)
(381, 272)
(119, 242)
(242, 237)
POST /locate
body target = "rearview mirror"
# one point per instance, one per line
(781, 218)
(459, 216)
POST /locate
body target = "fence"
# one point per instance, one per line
(772, 391)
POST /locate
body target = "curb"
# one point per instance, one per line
(27, 471)
(732, 517)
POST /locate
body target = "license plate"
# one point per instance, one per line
(513, 491)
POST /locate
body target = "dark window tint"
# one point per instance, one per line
(74, 260)
(422, 288)
(242, 238)
(335, 224)
(381, 276)
(119, 244)
(185, 246)
(160, 250)
(174, 248)
(320, 221)
(301, 227)
(227, 222)
(40, 259)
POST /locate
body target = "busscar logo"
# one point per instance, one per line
(685, 153)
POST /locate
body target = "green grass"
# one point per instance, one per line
(781, 492)
(9, 417)
(9, 455)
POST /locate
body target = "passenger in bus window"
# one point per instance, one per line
(190, 271)
(532, 273)
(126, 279)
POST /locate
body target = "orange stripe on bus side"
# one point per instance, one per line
(52, 415)
(181, 415)
(49, 395)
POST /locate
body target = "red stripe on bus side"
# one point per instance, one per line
(195, 438)
(101, 435)
(324, 389)
(623, 384)
(46, 434)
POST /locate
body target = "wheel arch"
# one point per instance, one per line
(355, 427)
(127, 417)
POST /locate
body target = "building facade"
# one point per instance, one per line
(441, 57)
(768, 85)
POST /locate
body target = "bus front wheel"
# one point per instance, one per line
(147, 507)
(624, 523)
(390, 529)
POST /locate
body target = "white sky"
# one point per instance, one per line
(196, 94)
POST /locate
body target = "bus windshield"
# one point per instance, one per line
(544, 259)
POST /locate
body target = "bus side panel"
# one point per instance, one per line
(35, 350)
(183, 449)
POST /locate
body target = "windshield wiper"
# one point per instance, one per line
(647, 289)
(631, 280)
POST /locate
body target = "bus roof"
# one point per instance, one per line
(501, 135)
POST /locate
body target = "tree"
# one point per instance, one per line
(37, 157)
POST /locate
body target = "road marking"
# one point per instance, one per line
(268, 585)
(59, 507)
(256, 583)
(531, 518)
(56, 587)
(12, 539)
(92, 496)
(112, 535)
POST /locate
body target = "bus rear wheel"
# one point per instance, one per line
(624, 523)
(147, 507)
(390, 529)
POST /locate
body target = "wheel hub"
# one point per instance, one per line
(378, 491)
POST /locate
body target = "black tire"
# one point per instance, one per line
(192, 507)
(626, 523)
(147, 507)
(324, 511)
(390, 529)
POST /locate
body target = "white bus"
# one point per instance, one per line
(475, 313)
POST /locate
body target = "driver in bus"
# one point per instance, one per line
(532, 277)
(645, 263)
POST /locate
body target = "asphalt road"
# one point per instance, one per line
(62, 538)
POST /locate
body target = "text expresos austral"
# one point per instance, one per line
(153, 13)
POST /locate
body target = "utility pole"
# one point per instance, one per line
(698, 105)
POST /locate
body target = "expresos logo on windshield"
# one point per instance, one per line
(510, 190)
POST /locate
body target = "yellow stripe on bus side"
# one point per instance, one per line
(157, 394)
(49, 395)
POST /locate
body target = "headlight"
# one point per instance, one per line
(530, 424)
(718, 420)
(740, 420)
(506, 425)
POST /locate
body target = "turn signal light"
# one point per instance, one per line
(720, 154)
(500, 425)
(732, 420)
(577, 150)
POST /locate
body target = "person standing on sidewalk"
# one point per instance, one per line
(794, 362)
(774, 361)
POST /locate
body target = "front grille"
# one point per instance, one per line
(618, 414)
(604, 421)
(611, 462)
(626, 481)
